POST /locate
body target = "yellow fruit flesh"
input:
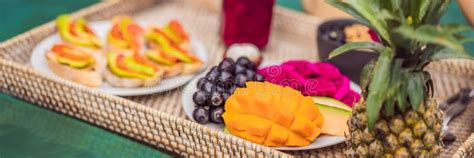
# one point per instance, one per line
(123, 24)
(170, 33)
(285, 119)
(155, 56)
(73, 63)
(116, 42)
(335, 120)
(70, 55)
(167, 48)
(63, 22)
(138, 67)
(112, 64)
(331, 102)
(80, 30)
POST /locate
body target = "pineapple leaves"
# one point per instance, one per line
(366, 75)
(395, 81)
(416, 88)
(424, 4)
(411, 38)
(431, 35)
(416, 9)
(434, 11)
(356, 45)
(370, 13)
(367, 13)
(446, 53)
(402, 94)
(385, 4)
(379, 86)
(348, 9)
(428, 83)
(389, 104)
(455, 28)
(395, 3)
(465, 39)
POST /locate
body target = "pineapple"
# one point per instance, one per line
(397, 116)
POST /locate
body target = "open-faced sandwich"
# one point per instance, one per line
(129, 69)
(125, 34)
(77, 32)
(77, 64)
(169, 49)
(175, 32)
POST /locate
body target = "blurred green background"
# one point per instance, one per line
(18, 16)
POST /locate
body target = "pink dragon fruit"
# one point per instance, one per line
(300, 67)
(323, 87)
(343, 86)
(351, 98)
(312, 79)
(326, 70)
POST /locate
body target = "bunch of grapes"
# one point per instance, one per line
(218, 84)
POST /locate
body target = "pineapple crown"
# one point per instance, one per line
(411, 38)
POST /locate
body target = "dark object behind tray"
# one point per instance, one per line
(350, 63)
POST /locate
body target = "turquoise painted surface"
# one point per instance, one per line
(17, 16)
(454, 15)
(28, 130)
(292, 4)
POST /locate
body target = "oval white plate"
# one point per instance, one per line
(39, 62)
(320, 142)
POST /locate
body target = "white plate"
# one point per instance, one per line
(320, 142)
(39, 62)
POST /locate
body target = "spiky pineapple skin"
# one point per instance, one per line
(404, 134)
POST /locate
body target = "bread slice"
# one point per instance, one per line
(90, 76)
(184, 45)
(114, 48)
(191, 68)
(173, 70)
(187, 68)
(116, 45)
(117, 81)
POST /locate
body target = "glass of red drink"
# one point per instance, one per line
(247, 21)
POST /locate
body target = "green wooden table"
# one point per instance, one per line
(28, 130)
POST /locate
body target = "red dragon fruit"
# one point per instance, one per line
(300, 67)
(324, 87)
(343, 85)
(326, 70)
(351, 98)
(312, 79)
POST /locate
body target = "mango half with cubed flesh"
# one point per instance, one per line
(272, 115)
(336, 114)
(77, 32)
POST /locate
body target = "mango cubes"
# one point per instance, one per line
(272, 115)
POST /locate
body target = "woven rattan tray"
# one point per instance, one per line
(158, 119)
